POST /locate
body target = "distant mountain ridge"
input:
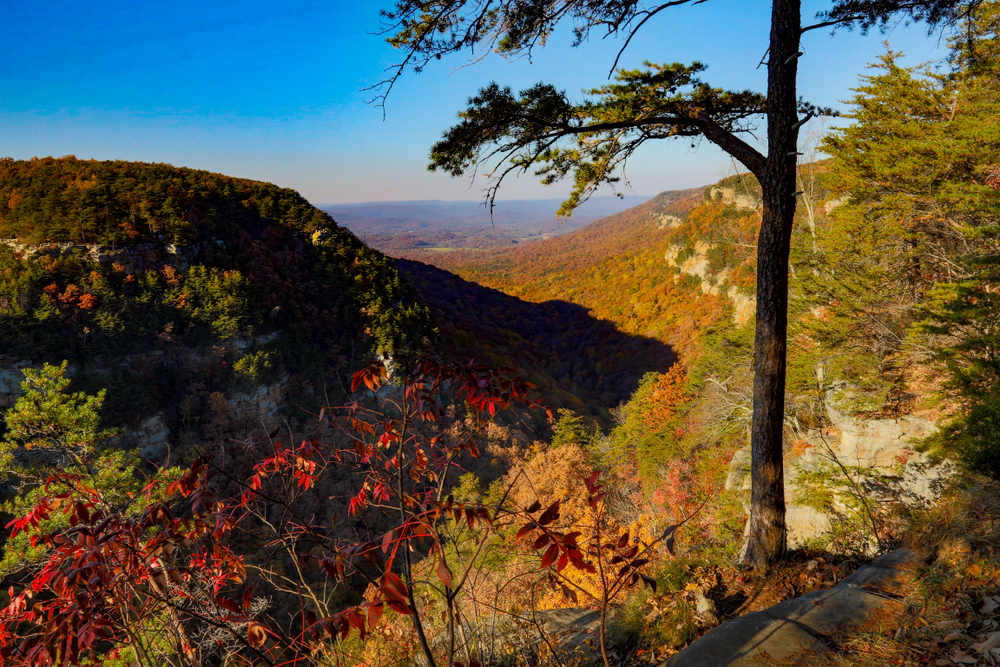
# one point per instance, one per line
(449, 225)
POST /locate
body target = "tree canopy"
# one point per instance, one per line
(664, 101)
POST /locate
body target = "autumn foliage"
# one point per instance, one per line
(172, 564)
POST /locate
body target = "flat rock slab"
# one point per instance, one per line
(575, 619)
(571, 632)
(802, 624)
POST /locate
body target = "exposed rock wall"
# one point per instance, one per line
(879, 454)
(134, 258)
(744, 305)
(876, 443)
(744, 201)
(153, 435)
(669, 222)
(11, 378)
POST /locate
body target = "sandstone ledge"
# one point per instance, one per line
(802, 624)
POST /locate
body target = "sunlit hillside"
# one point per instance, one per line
(617, 267)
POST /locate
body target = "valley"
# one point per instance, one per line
(240, 429)
(445, 226)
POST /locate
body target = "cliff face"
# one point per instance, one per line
(712, 282)
(154, 434)
(138, 258)
(10, 380)
(829, 471)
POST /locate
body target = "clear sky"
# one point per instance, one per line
(273, 90)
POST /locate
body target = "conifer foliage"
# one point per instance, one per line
(541, 129)
(904, 273)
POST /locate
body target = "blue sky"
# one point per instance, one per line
(273, 91)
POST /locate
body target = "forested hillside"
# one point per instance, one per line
(613, 267)
(892, 346)
(116, 202)
(453, 457)
(246, 276)
(579, 362)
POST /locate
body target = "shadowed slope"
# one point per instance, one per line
(577, 361)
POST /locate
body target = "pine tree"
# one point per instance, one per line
(542, 130)
(965, 313)
(913, 166)
(53, 437)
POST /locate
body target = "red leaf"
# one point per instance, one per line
(387, 540)
(374, 614)
(395, 584)
(525, 529)
(542, 540)
(398, 607)
(330, 569)
(576, 558)
(550, 555)
(445, 574)
(550, 515)
(229, 605)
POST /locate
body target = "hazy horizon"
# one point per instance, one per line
(276, 93)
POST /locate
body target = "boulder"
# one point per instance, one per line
(875, 443)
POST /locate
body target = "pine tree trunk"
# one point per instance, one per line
(767, 504)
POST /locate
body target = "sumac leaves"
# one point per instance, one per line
(561, 549)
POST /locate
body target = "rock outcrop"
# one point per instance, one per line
(133, 258)
(879, 456)
(697, 264)
(153, 435)
(776, 635)
(11, 378)
(746, 200)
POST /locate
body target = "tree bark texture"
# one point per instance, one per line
(767, 506)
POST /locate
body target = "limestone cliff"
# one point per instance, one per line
(855, 458)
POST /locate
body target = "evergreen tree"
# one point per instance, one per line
(914, 168)
(53, 436)
(571, 428)
(60, 427)
(533, 129)
(965, 313)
